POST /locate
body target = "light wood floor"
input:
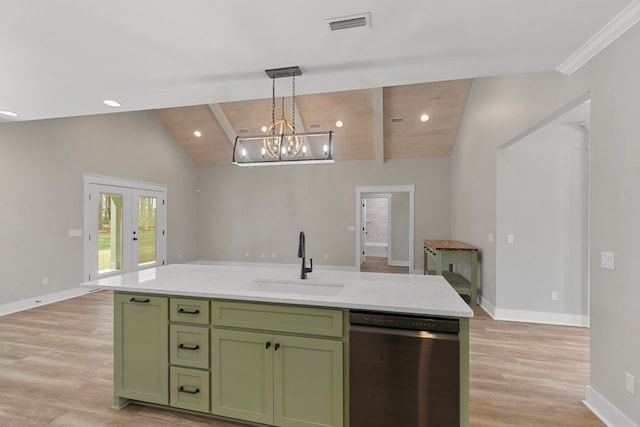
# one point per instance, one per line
(379, 265)
(56, 367)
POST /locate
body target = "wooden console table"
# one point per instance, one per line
(450, 252)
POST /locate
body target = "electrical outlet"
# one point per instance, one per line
(607, 260)
(179, 256)
(246, 253)
(554, 295)
(630, 383)
(490, 238)
(273, 254)
(262, 254)
(510, 239)
(45, 281)
(326, 256)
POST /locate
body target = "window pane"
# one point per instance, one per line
(109, 232)
(146, 230)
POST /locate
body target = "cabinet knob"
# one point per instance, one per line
(277, 346)
(267, 345)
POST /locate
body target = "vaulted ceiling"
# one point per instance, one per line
(389, 117)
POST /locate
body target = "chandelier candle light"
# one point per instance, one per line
(281, 144)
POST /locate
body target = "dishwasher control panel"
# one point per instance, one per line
(399, 321)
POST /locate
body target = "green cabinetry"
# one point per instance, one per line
(271, 376)
(140, 348)
(189, 354)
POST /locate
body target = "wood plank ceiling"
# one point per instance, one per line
(402, 133)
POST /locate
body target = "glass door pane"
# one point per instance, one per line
(109, 232)
(147, 230)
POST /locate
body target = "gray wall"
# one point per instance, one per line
(400, 228)
(262, 209)
(542, 202)
(41, 192)
(501, 108)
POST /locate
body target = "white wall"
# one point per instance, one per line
(541, 201)
(41, 192)
(262, 210)
(501, 108)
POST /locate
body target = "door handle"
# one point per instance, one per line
(135, 238)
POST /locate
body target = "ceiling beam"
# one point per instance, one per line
(378, 123)
(224, 122)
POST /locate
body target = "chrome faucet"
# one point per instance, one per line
(301, 254)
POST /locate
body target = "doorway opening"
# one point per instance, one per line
(543, 209)
(385, 224)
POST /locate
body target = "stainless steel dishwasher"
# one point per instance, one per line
(404, 371)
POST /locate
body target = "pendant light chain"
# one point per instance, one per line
(293, 104)
(273, 106)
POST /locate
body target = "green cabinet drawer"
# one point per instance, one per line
(189, 346)
(277, 318)
(189, 310)
(189, 389)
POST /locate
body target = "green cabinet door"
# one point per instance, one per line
(307, 382)
(141, 348)
(242, 375)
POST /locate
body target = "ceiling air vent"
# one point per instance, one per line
(314, 126)
(397, 120)
(346, 22)
(243, 130)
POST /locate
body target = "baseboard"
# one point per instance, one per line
(605, 410)
(28, 303)
(534, 316)
(398, 263)
(541, 317)
(488, 307)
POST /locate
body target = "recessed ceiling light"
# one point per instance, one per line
(424, 118)
(9, 113)
(339, 123)
(111, 103)
(263, 128)
(197, 133)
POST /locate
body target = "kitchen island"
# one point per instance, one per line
(258, 343)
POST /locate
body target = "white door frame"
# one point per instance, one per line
(363, 190)
(90, 181)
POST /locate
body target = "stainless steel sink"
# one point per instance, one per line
(296, 286)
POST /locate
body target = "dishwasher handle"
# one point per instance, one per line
(405, 333)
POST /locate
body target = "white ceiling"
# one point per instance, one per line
(63, 58)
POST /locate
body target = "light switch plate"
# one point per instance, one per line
(630, 383)
(607, 260)
(75, 232)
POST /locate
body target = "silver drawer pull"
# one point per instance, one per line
(183, 390)
(186, 347)
(194, 312)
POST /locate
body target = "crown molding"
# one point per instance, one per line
(628, 17)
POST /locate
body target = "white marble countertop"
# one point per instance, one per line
(399, 293)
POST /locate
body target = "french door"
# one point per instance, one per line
(124, 229)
